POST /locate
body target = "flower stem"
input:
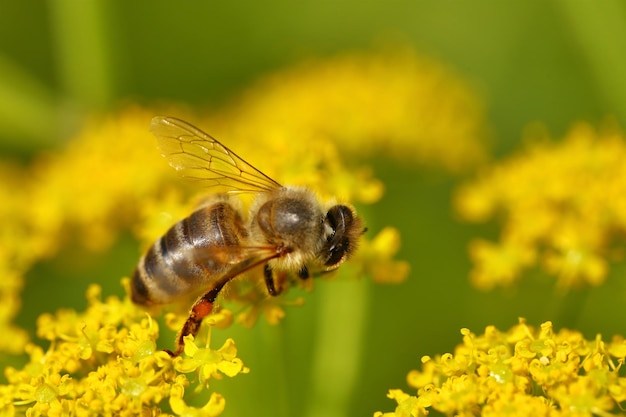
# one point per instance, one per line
(337, 350)
(83, 50)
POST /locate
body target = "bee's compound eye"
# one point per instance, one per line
(337, 252)
(340, 219)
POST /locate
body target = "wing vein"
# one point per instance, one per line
(198, 156)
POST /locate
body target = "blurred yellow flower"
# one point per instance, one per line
(498, 263)
(521, 372)
(377, 257)
(561, 206)
(393, 102)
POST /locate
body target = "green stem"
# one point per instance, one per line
(338, 346)
(600, 31)
(570, 308)
(83, 50)
(27, 109)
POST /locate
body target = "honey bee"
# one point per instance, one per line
(287, 229)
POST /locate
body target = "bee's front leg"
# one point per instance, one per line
(303, 273)
(270, 283)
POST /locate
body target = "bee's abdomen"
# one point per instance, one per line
(184, 258)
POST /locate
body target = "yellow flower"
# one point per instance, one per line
(210, 363)
(214, 407)
(408, 406)
(377, 257)
(561, 206)
(498, 264)
(391, 101)
(520, 372)
(104, 361)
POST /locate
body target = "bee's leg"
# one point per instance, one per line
(270, 283)
(201, 308)
(303, 273)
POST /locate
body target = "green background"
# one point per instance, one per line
(555, 62)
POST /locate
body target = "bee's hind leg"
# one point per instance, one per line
(201, 308)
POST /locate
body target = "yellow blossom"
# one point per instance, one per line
(104, 361)
(214, 407)
(392, 101)
(561, 205)
(498, 264)
(377, 256)
(408, 406)
(210, 363)
(519, 372)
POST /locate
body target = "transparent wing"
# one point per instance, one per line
(219, 256)
(230, 261)
(198, 156)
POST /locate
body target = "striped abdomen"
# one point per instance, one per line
(192, 253)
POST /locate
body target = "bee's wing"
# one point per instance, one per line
(236, 259)
(196, 155)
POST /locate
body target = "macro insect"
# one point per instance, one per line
(287, 229)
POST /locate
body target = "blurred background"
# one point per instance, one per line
(554, 62)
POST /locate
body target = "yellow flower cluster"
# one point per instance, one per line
(562, 206)
(104, 362)
(520, 372)
(18, 250)
(390, 102)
